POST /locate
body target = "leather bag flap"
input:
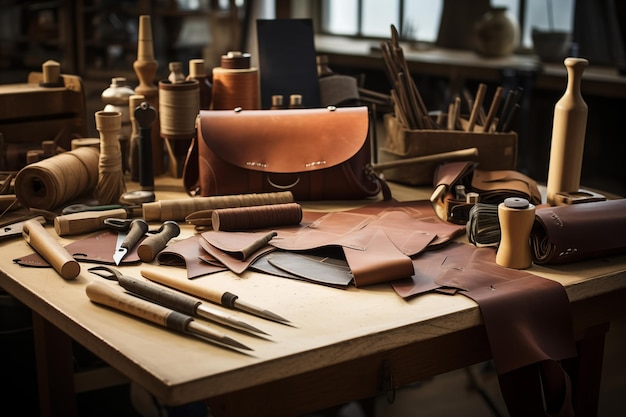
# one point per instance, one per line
(285, 141)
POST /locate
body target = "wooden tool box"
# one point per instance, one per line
(33, 112)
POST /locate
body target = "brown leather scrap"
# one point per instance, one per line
(96, 248)
(188, 253)
(527, 318)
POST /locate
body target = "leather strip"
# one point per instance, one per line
(188, 253)
(527, 318)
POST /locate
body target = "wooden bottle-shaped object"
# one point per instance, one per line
(516, 217)
(111, 184)
(568, 134)
(146, 67)
(197, 72)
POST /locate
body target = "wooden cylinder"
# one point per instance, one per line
(235, 83)
(50, 249)
(516, 217)
(51, 72)
(179, 105)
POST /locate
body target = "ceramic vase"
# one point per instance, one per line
(496, 34)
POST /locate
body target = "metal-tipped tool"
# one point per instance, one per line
(115, 297)
(226, 298)
(126, 239)
(175, 300)
(252, 309)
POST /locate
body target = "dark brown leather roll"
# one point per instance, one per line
(565, 234)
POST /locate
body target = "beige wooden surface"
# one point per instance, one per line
(331, 326)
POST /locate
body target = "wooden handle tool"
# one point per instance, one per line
(86, 221)
(50, 249)
(120, 300)
(153, 244)
(224, 298)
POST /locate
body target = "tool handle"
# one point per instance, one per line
(137, 229)
(145, 115)
(114, 297)
(154, 244)
(50, 249)
(162, 295)
(184, 285)
(87, 221)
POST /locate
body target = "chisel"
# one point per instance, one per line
(119, 299)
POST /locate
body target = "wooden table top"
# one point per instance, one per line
(331, 325)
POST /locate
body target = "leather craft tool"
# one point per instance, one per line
(118, 299)
(227, 299)
(15, 229)
(50, 249)
(155, 243)
(130, 233)
(79, 208)
(174, 299)
(85, 221)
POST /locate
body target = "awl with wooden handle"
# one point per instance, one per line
(173, 299)
(86, 221)
(225, 298)
(50, 249)
(117, 298)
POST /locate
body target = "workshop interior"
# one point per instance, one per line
(502, 115)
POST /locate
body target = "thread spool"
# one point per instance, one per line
(235, 83)
(179, 105)
(61, 178)
(516, 217)
(256, 217)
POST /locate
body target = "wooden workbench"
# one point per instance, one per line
(344, 345)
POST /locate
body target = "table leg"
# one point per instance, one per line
(586, 371)
(55, 370)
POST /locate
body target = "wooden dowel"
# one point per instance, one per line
(493, 109)
(478, 102)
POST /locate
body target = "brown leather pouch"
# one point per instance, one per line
(574, 232)
(317, 154)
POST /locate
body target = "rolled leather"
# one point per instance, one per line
(570, 233)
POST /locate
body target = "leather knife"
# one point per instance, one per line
(127, 240)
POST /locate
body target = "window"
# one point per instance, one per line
(419, 19)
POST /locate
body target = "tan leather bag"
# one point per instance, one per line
(317, 154)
